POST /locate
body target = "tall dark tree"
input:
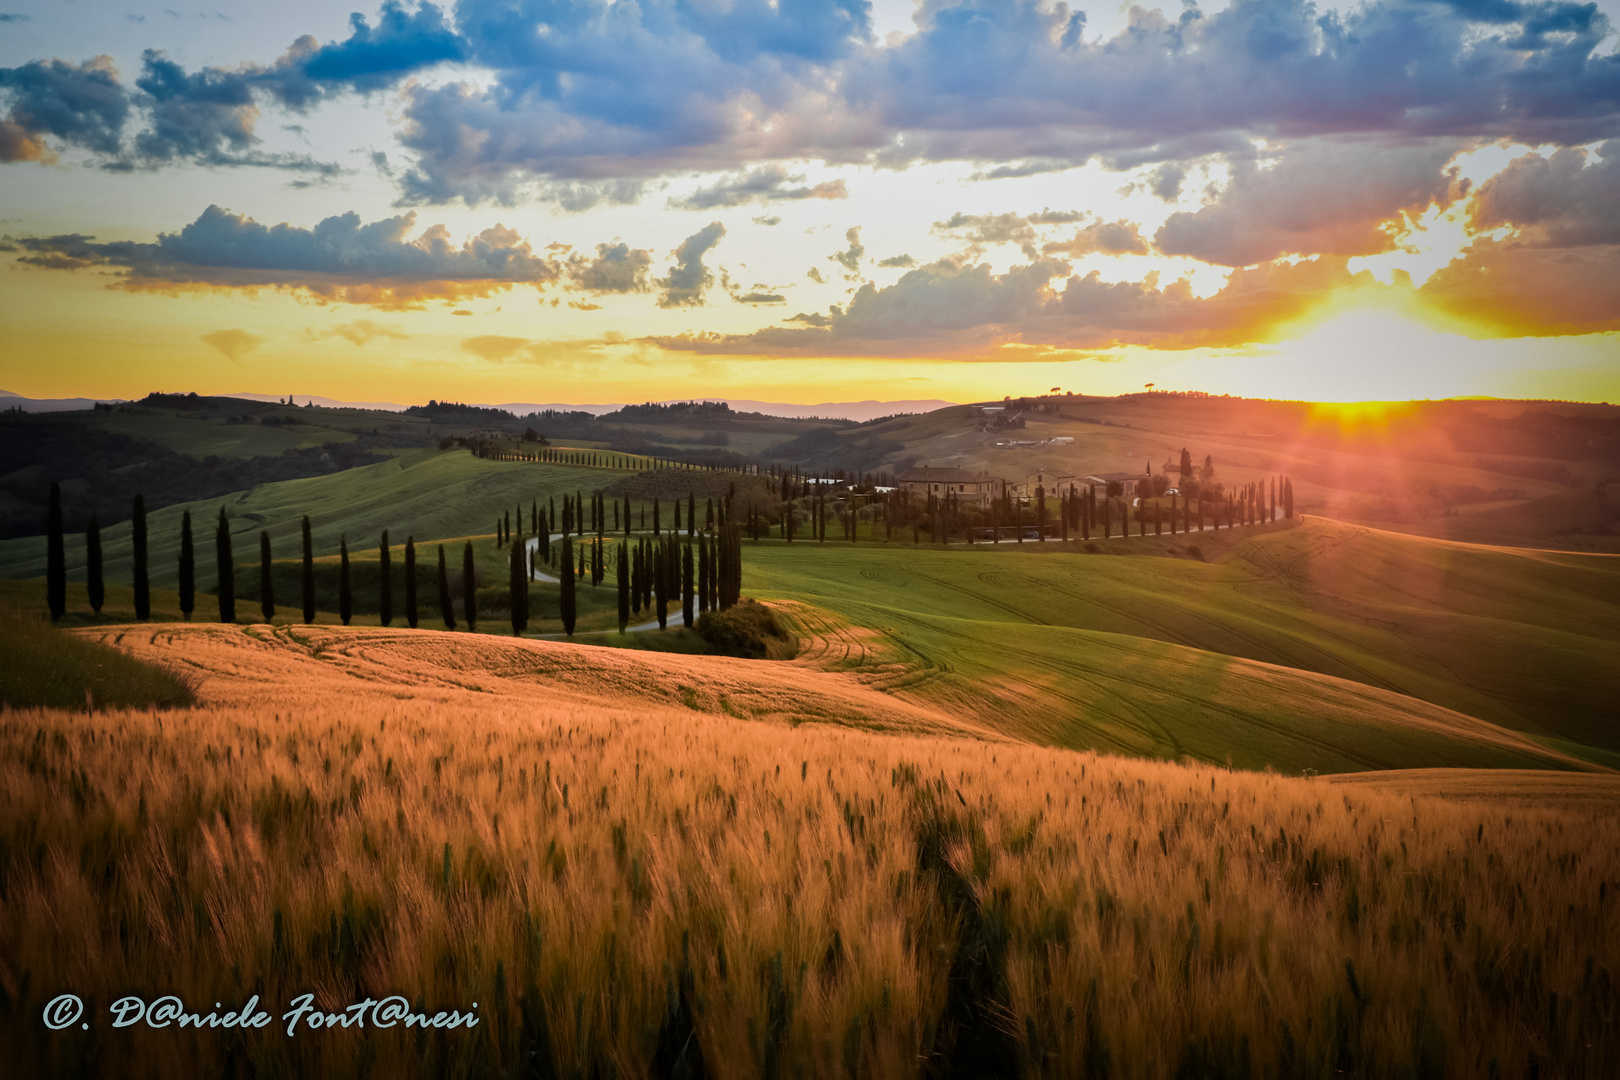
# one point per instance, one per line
(267, 588)
(447, 610)
(227, 569)
(137, 532)
(188, 567)
(518, 583)
(469, 587)
(660, 584)
(55, 556)
(95, 585)
(691, 514)
(655, 515)
(566, 602)
(345, 585)
(703, 574)
(385, 584)
(410, 581)
(623, 561)
(308, 580)
(688, 587)
(1186, 464)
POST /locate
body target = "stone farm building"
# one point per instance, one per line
(966, 487)
(1050, 481)
(1127, 481)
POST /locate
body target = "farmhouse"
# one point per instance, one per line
(964, 486)
(1048, 481)
(1127, 481)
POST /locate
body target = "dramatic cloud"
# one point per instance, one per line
(1566, 200)
(83, 106)
(768, 183)
(1515, 289)
(898, 260)
(233, 344)
(588, 91)
(617, 268)
(370, 59)
(1325, 197)
(688, 278)
(338, 259)
(952, 308)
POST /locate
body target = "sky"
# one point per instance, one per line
(795, 201)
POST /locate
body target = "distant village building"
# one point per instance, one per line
(1049, 481)
(966, 487)
(1127, 481)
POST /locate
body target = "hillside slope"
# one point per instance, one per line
(1519, 639)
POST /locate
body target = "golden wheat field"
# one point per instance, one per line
(648, 865)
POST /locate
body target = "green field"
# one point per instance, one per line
(1136, 654)
(427, 493)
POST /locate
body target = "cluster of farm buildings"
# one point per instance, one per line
(980, 488)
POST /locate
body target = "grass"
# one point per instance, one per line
(44, 666)
(636, 885)
(429, 493)
(1049, 640)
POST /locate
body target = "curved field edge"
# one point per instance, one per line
(1519, 639)
(1052, 686)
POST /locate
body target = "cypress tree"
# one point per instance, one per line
(597, 570)
(447, 610)
(566, 604)
(688, 591)
(188, 568)
(627, 515)
(1040, 513)
(635, 578)
(691, 514)
(655, 516)
(227, 569)
(143, 591)
(345, 586)
(309, 574)
(660, 584)
(267, 589)
(703, 574)
(469, 587)
(624, 581)
(94, 584)
(410, 581)
(55, 556)
(385, 595)
(519, 585)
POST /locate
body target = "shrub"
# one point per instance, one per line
(749, 630)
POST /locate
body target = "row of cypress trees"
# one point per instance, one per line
(704, 571)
